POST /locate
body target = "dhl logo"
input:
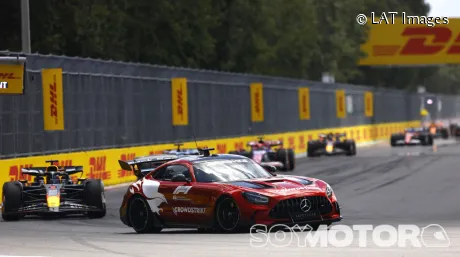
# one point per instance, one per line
(8, 75)
(221, 148)
(412, 44)
(291, 143)
(257, 107)
(53, 100)
(16, 174)
(304, 103)
(239, 145)
(180, 102)
(97, 168)
(155, 152)
(126, 157)
(302, 142)
(340, 103)
(418, 42)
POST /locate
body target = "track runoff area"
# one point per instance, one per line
(401, 201)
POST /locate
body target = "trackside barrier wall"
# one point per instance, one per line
(117, 105)
(103, 164)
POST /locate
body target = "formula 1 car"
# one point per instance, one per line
(412, 136)
(53, 192)
(454, 129)
(183, 151)
(331, 144)
(262, 153)
(225, 193)
(438, 131)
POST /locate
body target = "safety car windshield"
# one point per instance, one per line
(228, 170)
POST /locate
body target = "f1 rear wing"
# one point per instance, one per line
(153, 161)
(40, 171)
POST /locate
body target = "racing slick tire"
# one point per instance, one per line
(311, 150)
(351, 149)
(393, 140)
(141, 217)
(12, 200)
(286, 157)
(95, 196)
(428, 140)
(227, 215)
(444, 133)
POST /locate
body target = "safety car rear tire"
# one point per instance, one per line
(141, 217)
(12, 200)
(95, 196)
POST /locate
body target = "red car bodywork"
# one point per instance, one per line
(192, 204)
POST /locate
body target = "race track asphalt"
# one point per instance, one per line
(381, 185)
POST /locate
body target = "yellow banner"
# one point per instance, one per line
(53, 100)
(304, 103)
(340, 103)
(368, 104)
(257, 102)
(11, 78)
(406, 43)
(179, 101)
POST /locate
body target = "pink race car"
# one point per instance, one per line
(269, 152)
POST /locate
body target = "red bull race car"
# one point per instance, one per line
(223, 193)
(51, 193)
(412, 136)
(331, 144)
(270, 152)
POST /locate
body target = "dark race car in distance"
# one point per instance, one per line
(331, 144)
(437, 130)
(412, 136)
(454, 129)
(269, 152)
(224, 193)
(53, 192)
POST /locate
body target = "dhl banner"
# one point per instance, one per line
(179, 101)
(103, 164)
(53, 100)
(368, 104)
(304, 103)
(12, 79)
(340, 103)
(257, 102)
(406, 43)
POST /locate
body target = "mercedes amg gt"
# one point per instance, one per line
(224, 193)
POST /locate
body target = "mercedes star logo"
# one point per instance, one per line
(305, 205)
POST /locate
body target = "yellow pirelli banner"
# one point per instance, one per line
(304, 103)
(12, 78)
(368, 104)
(340, 103)
(257, 102)
(53, 99)
(179, 101)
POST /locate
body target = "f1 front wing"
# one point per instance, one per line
(65, 207)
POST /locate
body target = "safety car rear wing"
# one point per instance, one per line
(152, 161)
